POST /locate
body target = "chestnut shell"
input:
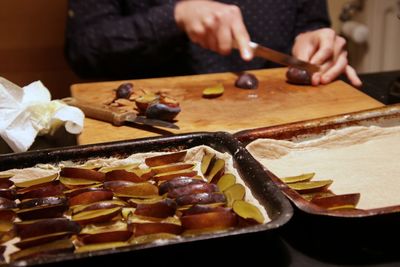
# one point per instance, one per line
(247, 81)
(298, 76)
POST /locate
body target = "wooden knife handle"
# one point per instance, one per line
(97, 112)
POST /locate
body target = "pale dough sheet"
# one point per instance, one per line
(358, 159)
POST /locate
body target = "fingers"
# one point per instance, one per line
(337, 68)
(241, 36)
(325, 41)
(353, 77)
(303, 48)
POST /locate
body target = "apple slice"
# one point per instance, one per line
(39, 202)
(96, 216)
(192, 189)
(207, 162)
(217, 170)
(54, 188)
(219, 219)
(41, 212)
(337, 201)
(161, 209)
(105, 204)
(173, 167)
(312, 186)
(201, 198)
(248, 211)
(298, 178)
(226, 181)
(7, 231)
(233, 193)
(175, 174)
(40, 227)
(166, 186)
(8, 193)
(165, 159)
(42, 239)
(37, 181)
(138, 190)
(94, 195)
(140, 229)
(81, 173)
(56, 247)
(101, 246)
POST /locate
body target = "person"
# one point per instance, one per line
(128, 39)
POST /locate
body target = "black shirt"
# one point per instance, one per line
(124, 39)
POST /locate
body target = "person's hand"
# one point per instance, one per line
(326, 49)
(213, 25)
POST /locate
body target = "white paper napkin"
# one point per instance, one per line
(28, 112)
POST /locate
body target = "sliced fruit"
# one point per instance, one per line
(7, 215)
(172, 167)
(192, 189)
(138, 190)
(6, 183)
(218, 169)
(160, 209)
(8, 193)
(175, 174)
(37, 181)
(220, 219)
(310, 196)
(5, 175)
(41, 212)
(105, 237)
(96, 216)
(312, 186)
(161, 111)
(140, 229)
(120, 167)
(202, 208)
(54, 188)
(101, 246)
(201, 198)
(214, 91)
(132, 175)
(81, 173)
(41, 227)
(298, 178)
(226, 180)
(166, 186)
(41, 202)
(7, 204)
(165, 159)
(136, 201)
(142, 102)
(91, 196)
(7, 231)
(337, 201)
(42, 239)
(248, 211)
(59, 246)
(233, 193)
(207, 162)
(106, 204)
(73, 183)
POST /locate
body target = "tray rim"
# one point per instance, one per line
(284, 215)
(321, 126)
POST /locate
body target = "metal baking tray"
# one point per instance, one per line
(359, 232)
(264, 190)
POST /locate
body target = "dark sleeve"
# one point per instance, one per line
(311, 15)
(101, 39)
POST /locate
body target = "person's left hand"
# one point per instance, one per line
(325, 48)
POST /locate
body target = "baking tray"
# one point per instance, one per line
(263, 189)
(367, 233)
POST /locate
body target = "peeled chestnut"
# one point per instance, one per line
(124, 90)
(162, 111)
(247, 81)
(298, 76)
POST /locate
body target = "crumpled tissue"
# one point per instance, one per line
(28, 112)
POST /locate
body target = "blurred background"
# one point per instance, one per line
(32, 39)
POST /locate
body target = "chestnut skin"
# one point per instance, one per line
(298, 76)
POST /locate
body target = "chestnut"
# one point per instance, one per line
(298, 76)
(247, 81)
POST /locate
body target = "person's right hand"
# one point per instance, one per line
(213, 25)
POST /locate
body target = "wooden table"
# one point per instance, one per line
(274, 102)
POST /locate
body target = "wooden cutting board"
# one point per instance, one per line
(274, 102)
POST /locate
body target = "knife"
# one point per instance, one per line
(281, 58)
(116, 118)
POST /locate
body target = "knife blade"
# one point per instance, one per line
(281, 58)
(116, 118)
